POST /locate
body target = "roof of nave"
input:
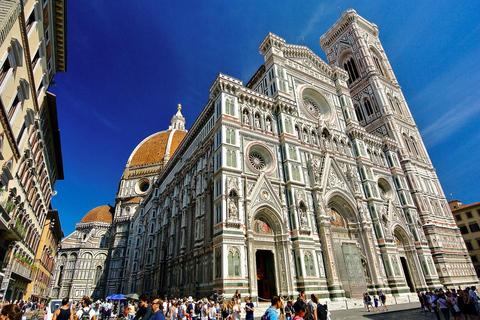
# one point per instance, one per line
(134, 200)
(99, 214)
(158, 147)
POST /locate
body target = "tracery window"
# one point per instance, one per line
(351, 68)
(359, 113)
(233, 263)
(309, 268)
(230, 107)
(378, 65)
(230, 138)
(231, 159)
(368, 107)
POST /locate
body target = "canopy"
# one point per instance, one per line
(132, 296)
(116, 297)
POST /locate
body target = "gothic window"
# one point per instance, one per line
(60, 276)
(102, 242)
(230, 138)
(378, 65)
(233, 263)
(218, 263)
(359, 113)
(309, 268)
(415, 146)
(231, 159)
(407, 144)
(368, 107)
(351, 68)
(98, 274)
(399, 106)
(230, 107)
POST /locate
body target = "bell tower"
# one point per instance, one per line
(352, 44)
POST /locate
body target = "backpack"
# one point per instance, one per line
(198, 308)
(85, 315)
(266, 315)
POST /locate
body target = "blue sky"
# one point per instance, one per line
(131, 62)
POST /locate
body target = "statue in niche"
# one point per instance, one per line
(351, 176)
(366, 273)
(269, 125)
(314, 139)
(257, 121)
(245, 118)
(316, 170)
(303, 218)
(232, 209)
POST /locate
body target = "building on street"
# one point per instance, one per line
(467, 217)
(311, 176)
(32, 51)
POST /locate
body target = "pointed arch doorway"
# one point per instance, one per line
(351, 262)
(265, 274)
(405, 256)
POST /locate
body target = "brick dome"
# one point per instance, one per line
(99, 214)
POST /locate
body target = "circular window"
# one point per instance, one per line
(385, 189)
(256, 160)
(260, 158)
(316, 104)
(142, 186)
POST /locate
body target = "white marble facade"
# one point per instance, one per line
(312, 176)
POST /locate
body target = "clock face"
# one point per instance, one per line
(315, 104)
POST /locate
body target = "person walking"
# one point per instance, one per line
(157, 309)
(383, 299)
(288, 310)
(312, 307)
(64, 312)
(86, 312)
(271, 312)
(249, 309)
(299, 307)
(144, 312)
(11, 312)
(442, 306)
(236, 310)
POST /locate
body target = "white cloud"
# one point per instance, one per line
(450, 122)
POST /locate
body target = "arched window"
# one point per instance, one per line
(60, 276)
(359, 113)
(399, 106)
(98, 274)
(407, 144)
(309, 268)
(102, 242)
(368, 107)
(218, 264)
(378, 64)
(351, 68)
(233, 263)
(415, 147)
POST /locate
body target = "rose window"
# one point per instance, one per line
(256, 160)
(312, 106)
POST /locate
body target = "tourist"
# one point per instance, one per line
(157, 309)
(173, 310)
(235, 310)
(442, 306)
(282, 306)
(86, 312)
(375, 301)
(204, 312)
(212, 312)
(288, 310)
(312, 307)
(271, 312)
(144, 312)
(249, 309)
(11, 312)
(131, 311)
(299, 308)
(452, 306)
(64, 312)
(474, 296)
(383, 300)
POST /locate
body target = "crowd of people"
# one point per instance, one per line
(458, 304)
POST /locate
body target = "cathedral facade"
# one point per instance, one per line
(313, 176)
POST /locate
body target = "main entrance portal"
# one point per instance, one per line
(265, 274)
